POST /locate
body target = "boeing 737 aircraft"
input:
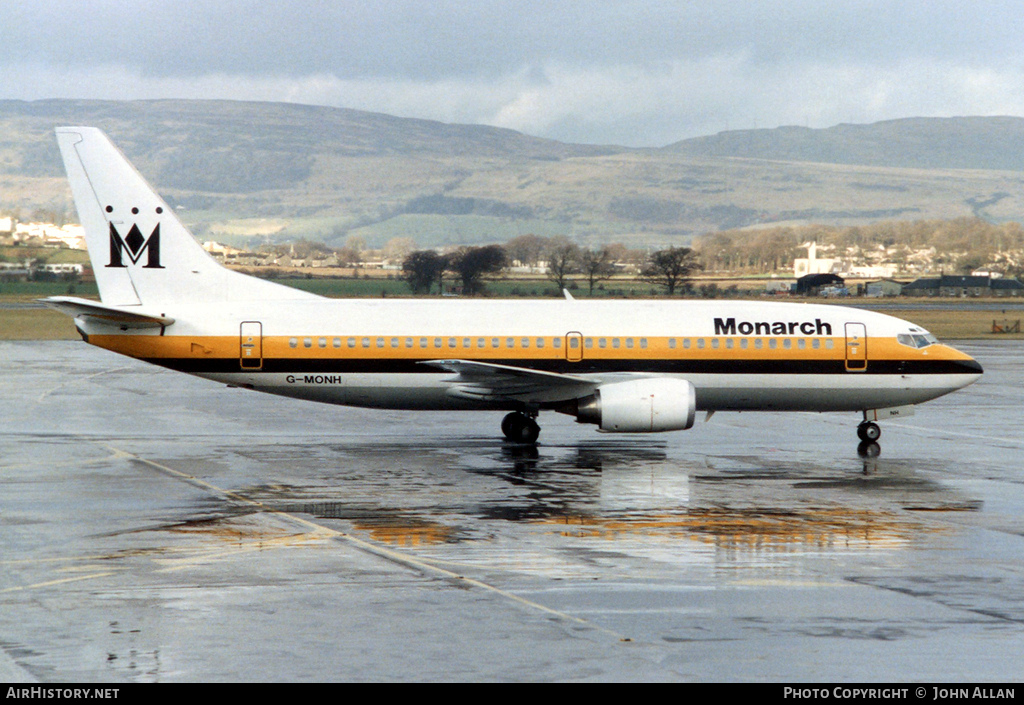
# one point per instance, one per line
(626, 366)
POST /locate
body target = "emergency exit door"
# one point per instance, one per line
(574, 346)
(251, 345)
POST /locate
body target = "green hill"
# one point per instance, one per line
(240, 171)
(915, 143)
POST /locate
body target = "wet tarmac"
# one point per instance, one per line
(157, 527)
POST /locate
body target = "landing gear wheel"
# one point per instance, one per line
(520, 428)
(507, 422)
(869, 432)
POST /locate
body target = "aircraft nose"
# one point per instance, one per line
(970, 365)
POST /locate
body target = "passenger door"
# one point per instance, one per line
(251, 345)
(856, 347)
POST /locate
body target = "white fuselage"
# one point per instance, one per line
(739, 355)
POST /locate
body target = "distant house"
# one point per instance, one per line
(812, 264)
(964, 286)
(11, 272)
(812, 284)
(884, 287)
(779, 286)
(1007, 287)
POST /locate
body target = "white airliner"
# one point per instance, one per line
(626, 366)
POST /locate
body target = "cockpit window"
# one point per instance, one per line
(916, 340)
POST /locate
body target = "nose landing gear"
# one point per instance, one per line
(520, 427)
(869, 431)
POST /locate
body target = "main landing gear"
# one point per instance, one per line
(520, 427)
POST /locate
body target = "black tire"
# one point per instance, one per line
(507, 423)
(520, 428)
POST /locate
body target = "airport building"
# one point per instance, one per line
(964, 286)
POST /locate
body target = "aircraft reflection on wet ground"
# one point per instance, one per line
(604, 489)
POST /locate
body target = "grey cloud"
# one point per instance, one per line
(634, 72)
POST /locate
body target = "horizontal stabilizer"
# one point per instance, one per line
(110, 315)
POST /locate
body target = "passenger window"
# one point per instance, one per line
(588, 342)
(686, 343)
(380, 342)
(758, 343)
(828, 343)
(495, 342)
(510, 342)
(437, 342)
(787, 343)
(351, 342)
(526, 342)
(671, 343)
(801, 343)
(481, 343)
(602, 342)
(714, 343)
(743, 343)
(337, 342)
(423, 342)
(772, 343)
(408, 342)
(307, 342)
(540, 342)
(728, 343)
(643, 343)
(615, 343)
(293, 342)
(815, 343)
(467, 343)
(322, 342)
(394, 342)
(700, 343)
(452, 342)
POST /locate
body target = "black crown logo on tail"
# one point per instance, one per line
(134, 245)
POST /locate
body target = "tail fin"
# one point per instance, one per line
(140, 251)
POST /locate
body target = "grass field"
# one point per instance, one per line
(35, 324)
(959, 324)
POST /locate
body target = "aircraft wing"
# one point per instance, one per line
(485, 381)
(110, 315)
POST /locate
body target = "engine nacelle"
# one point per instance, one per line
(640, 406)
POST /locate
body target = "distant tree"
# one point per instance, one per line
(670, 268)
(397, 248)
(355, 244)
(305, 248)
(348, 257)
(422, 268)
(597, 265)
(472, 263)
(527, 249)
(563, 259)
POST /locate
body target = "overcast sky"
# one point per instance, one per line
(632, 73)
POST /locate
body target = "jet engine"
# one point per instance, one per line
(640, 406)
